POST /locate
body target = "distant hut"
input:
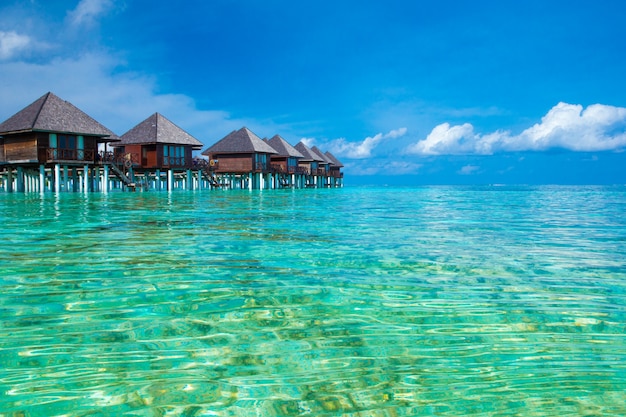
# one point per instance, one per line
(324, 164)
(157, 143)
(286, 160)
(48, 134)
(310, 163)
(243, 156)
(335, 169)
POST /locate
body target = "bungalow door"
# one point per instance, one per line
(67, 147)
(260, 162)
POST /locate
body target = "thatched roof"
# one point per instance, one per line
(158, 129)
(334, 160)
(49, 113)
(283, 147)
(240, 141)
(318, 152)
(307, 153)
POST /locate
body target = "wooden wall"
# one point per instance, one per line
(306, 166)
(280, 161)
(21, 148)
(152, 156)
(236, 163)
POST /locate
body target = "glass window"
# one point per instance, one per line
(67, 141)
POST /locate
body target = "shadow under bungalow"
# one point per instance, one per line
(51, 145)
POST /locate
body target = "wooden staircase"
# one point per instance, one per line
(120, 174)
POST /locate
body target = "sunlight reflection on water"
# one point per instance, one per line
(355, 301)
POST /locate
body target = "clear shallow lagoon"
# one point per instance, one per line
(485, 301)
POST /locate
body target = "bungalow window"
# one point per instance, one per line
(180, 151)
(260, 161)
(173, 155)
(66, 141)
(68, 147)
(292, 164)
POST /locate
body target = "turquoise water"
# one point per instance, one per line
(447, 301)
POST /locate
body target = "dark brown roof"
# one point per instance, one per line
(309, 155)
(336, 162)
(49, 113)
(158, 129)
(283, 147)
(240, 141)
(325, 159)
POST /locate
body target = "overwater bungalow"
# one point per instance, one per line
(158, 154)
(241, 160)
(52, 145)
(285, 162)
(323, 165)
(336, 176)
(310, 164)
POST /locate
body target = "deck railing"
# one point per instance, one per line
(175, 161)
(126, 159)
(78, 155)
(280, 169)
(277, 168)
(261, 167)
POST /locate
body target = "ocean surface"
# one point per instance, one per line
(425, 301)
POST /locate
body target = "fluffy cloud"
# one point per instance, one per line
(118, 99)
(310, 142)
(87, 11)
(363, 149)
(96, 80)
(11, 43)
(444, 139)
(566, 126)
(468, 169)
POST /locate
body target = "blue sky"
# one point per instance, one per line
(424, 92)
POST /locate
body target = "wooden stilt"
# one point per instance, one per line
(57, 178)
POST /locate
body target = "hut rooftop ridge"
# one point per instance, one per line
(49, 113)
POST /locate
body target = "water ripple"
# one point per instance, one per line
(378, 302)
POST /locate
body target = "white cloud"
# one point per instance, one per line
(87, 11)
(468, 169)
(566, 126)
(310, 142)
(360, 150)
(11, 43)
(569, 126)
(118, 99)
(444, 139)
